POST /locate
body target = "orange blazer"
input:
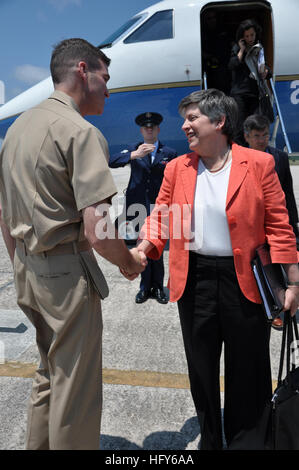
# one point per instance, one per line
(255, 210)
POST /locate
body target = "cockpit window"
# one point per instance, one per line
(159, 26)
(123, 29)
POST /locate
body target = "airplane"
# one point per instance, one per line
(2, 92)
(157, 58)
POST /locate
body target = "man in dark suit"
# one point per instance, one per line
(256, 133)
(148, 160)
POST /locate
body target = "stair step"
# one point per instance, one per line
(294, 156)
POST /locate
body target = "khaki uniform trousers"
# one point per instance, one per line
(65, 404)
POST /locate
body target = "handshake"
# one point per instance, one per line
(136, 264)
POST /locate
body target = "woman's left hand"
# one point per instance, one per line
(291, 300)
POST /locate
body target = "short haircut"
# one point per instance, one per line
(244, 26)
(70, 51)
(256, 122)
(214, 104)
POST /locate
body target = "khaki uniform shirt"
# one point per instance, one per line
(53, 164)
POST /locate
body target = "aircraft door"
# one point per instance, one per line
(215, 47)
(219, 23)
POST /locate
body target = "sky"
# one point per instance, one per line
(30, 28)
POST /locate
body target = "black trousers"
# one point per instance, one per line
(247, 105)
(153, 275)
(214, 312)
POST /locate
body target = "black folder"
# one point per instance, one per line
(271, 282)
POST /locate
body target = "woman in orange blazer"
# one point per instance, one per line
(217, 205)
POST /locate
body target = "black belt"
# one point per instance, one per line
(211, 257)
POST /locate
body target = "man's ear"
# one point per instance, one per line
(82, 69)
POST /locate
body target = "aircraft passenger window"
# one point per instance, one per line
(124, 28)
(159, 26)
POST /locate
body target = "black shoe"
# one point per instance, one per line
(142, 296)
(159, 295)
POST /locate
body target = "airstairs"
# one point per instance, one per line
(279, 122)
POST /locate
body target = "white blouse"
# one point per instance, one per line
(209, 223)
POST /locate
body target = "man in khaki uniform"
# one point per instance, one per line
(55, 185)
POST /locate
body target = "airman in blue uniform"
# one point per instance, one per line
(148, 160)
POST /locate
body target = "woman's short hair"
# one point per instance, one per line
(245, 25)
(214, 104)
(69, 51)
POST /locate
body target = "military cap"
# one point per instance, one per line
(148, 119)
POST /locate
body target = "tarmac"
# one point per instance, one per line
(147, 402)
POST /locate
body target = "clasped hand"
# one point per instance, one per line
(137, 265)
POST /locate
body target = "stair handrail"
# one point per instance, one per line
(205, 81)
(272, 141)
(286, 139)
